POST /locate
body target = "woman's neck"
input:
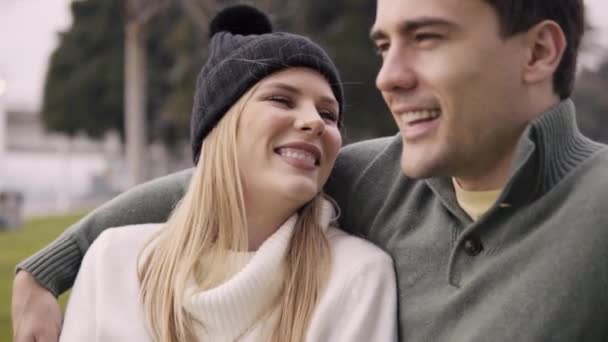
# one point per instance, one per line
(264, 217)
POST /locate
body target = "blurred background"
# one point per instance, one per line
(95, 97)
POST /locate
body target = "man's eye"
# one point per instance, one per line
(381, 48)
(426, 36)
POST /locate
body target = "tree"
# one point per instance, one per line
(83, 88)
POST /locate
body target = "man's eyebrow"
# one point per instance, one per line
(413, 25)
(409, 26)
(376, 34)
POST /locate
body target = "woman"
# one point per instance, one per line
(249, 254)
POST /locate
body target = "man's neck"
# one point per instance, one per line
(494, 174)
(491, 174)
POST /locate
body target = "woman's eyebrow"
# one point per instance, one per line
(283, 86)
(296, 91)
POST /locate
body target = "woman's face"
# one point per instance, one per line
(288, 136)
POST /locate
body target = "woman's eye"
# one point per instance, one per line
(329, 116)
(280, 99)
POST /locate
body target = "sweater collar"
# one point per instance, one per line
(549, 149)
(230, 309)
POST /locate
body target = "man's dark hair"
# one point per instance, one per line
(517, 16)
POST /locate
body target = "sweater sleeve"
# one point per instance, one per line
(365, 310)
(80, 321)
(55, 267)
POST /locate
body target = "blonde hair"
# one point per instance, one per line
(208, 222)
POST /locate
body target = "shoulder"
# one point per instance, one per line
(595, 167)
(131, 235)
(359, 302)
(107, 288)
(121, 245)
(357, 160)
(369, 144)
(362, 285)
(353, 256)
(367, 150)
(588, 182)
(110, 264)
(585, 191)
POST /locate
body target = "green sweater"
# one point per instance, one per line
(533, 268)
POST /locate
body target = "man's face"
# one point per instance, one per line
(452, 83)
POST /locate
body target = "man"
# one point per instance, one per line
(489, 199)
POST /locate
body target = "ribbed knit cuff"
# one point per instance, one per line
(55, 267)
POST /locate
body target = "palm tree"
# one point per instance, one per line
(138, 13)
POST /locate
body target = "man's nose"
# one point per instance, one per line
(396, 73)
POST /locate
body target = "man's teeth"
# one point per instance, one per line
(298, 154)
(418, 115)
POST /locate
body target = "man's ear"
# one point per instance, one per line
(546, 45)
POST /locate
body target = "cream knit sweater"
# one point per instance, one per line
(359, 303)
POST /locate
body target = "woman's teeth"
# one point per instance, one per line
(298, 154)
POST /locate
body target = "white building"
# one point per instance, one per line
(56, 173)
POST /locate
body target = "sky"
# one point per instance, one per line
(29, 33)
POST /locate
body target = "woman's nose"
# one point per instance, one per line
(311, 122)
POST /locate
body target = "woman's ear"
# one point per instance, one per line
(546, 45)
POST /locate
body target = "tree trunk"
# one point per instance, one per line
(135, 101)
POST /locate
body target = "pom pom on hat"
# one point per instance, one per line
(240, 19)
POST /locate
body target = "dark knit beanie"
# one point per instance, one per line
(243, 50)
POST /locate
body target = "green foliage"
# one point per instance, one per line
(16, 246)
(84, 86)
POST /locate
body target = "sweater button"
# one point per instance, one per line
(472, 246)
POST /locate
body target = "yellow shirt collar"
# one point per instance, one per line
(475, 203)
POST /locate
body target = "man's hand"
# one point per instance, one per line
(35, 311)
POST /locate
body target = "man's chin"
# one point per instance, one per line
(418, 169)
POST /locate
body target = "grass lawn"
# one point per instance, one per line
(14, 247)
